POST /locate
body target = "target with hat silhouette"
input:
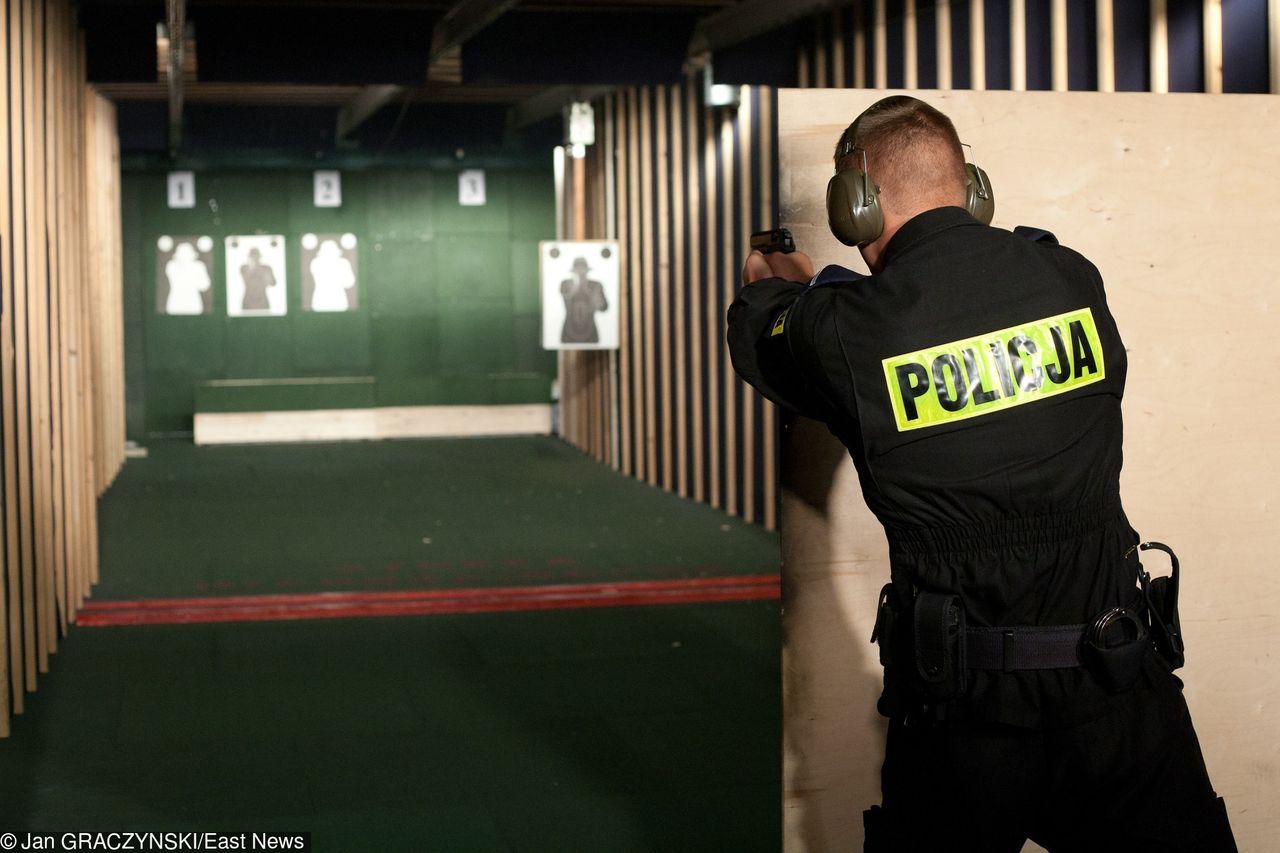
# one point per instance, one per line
(579, 294)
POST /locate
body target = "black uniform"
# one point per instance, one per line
(976, 382)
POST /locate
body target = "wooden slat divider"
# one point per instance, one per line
(977, 45)
(10, 660)
(729, 380)
(1213, 46)
(744, 392)
(942, 35)
(910, 52)
(61, 335)
(662, 286)
(679, 294)
(1159, 46)
(648, 427)
(711, 243)
(697, 393)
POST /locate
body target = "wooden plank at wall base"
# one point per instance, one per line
(371, 424)
(1123, 212)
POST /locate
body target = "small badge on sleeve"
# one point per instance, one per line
(780, 324)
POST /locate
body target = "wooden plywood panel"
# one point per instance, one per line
(1193, 294)
(10, 663)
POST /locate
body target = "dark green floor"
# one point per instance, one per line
(652, 728)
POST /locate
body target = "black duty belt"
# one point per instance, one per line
(1024, 647)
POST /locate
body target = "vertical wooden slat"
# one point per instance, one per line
(697, 392)
(729, 380)
(612, 211)
(882, 45)
(1213, 46)
(22, 283)
(745, 393)
(630, 399)
(67, 245)
(1018, 45)
(1159, 46)
(46, 620)
(820, 66)
(803, 67)
(859, 47)
(1060, 66)
(10, 663)
(1273, 19)
(681, 389)
(837, 49)
(56, 112)
(770, 437)
(711, 238)
(648, 227)
(662, 284)
(943, 41)
(910, 55)
(977, 46)
(1106, 47)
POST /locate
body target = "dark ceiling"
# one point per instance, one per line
(280, 75)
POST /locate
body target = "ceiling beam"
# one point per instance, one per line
(464, 19)
(363, 106)
(550, 102)
(176, 20)
(749, 19)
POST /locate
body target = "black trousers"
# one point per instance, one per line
(1133, 780)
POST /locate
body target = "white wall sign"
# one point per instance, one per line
(471, 187)
(328, 189)
(182, 189)
(255, 276)
(579, 294)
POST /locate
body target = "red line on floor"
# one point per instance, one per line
(340, 605)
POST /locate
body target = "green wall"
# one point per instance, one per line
(448, 309)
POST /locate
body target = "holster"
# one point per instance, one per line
(1161, 597)
(922, 650)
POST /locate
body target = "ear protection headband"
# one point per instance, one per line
(853, 201)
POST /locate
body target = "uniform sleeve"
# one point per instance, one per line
(762, 345)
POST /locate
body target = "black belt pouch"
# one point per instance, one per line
(938, 628)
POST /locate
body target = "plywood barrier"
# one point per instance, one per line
(1193, 287)
(61, 350)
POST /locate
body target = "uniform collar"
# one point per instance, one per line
(923, 226)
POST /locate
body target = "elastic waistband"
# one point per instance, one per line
(1005, 532)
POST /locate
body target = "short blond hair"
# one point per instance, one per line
(913, 154)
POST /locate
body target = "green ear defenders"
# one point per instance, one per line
(853, 202)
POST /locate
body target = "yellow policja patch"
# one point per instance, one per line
(995, 371)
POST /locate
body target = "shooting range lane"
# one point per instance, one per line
(1193, 289)
(591, 728)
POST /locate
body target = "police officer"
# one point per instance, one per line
(976, 379)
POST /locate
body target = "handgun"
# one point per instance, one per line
(773, 240)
